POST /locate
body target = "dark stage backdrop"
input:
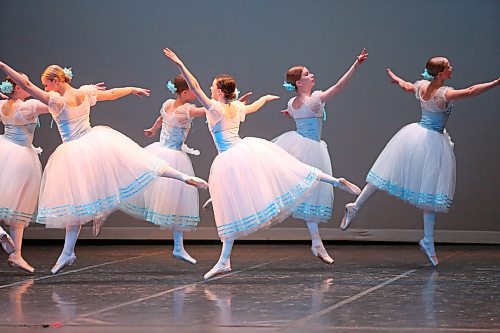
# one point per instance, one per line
(120, 42)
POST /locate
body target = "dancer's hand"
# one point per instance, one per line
(269, 98)
(170, 54)
(244, 98)
(100, 86)
(140, 91)
(208, 205)
(394, 78)
(149, 132)
(362, 56)
(286, 113)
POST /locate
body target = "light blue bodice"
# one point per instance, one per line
(225, 139)
(173, 137)
(73, 128)
(20, 134)
(225, 131)
(436, 110)
(434, 121)
(309, 127)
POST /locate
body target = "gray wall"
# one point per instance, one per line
(120, 42)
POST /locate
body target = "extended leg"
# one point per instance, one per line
(352, 209)
(170, 172)
(340, 183)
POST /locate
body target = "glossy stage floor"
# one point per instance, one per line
(273, 288)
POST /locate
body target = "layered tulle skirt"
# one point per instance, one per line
(255, 184)
(91, 176)
(20, 176)
(418, 166)
(168, 202)
(317, 206)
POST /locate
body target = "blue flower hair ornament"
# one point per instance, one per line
(427, 76)
(288, 86)
(6, 87)
(171, 87)
(68, 73)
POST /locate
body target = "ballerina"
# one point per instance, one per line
(20, 180)
(181, 211)
(253, 182)
(308, 111)
(95, 169)
(418, 163)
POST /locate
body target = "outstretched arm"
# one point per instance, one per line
(190, 79)
(115, 93)
(255, 106)
(405, 85)
(474, 90)
(23, 81)
(337, 87)
(154, 129)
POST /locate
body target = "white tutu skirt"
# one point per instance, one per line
(418, 166)
(20, 177)
(255, 184)
(89, 177)
(168, 202)
(317, 206)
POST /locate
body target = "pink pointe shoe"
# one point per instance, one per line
(218, 269)
(197, 182)
(183, 255)
(351, 210)
(348, 187)
(19, 262)
(429, 252)
(63, 262)
(97, 224)
(320, 252)
(7, 242)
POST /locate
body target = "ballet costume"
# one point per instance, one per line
(20, 177)
(170, 203)
(95, 171)
(253, 182)
(306, 145)
(417, 166)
